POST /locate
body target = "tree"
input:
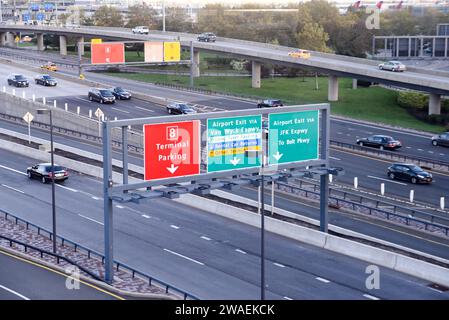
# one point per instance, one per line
(108, 16)
(313, 37)
(141, 15)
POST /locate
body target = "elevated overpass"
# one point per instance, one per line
(436, 83)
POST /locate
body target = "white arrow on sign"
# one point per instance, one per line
(172, 169)
(235, 161)
(28, 117)
(277, 155)
(99, 113)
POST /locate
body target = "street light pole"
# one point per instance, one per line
(163, 15)
(53, 200)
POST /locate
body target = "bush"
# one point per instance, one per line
(413, 100)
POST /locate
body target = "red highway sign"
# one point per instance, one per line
(171, 149)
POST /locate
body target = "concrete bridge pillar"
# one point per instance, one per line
(332, 91)
(354, 83)
(255, 81)
(3, 39)
(63, 45)
(40, 41)
(196, 64)
(434, 103)
(10, 39)
(81, 48)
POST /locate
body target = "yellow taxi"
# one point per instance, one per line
(50, 66)
(300, 53)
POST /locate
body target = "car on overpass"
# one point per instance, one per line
(18, 80)
(394, 66)
(380, 141)
(50, 66)
(43, 172)
(180, 108)
(120, 93)
(207, 37)
(409, 172)
(140, 30)
(270, 103)
(300, 53)
(45, 80)
(101, 95)
(441, 139)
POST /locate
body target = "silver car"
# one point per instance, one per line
(392, 66)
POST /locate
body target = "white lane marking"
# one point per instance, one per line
(14, 292)
(119, 206)
(82, 99)
(339, 132)
(205, 238)
(240, 251)
(287, 298)
(370, 297)
(143, 109)
(11, 188)
(13, 170)
(174, 227)
(430, 151)
(93, 220)
(402, 184)
(279, 265)
(420, 149)
(433, 289)
(408, 147)
(182, 256)
(322, 280)
(333, 158)
(67, 188)
(146, 216)
(95, 198)
(119, 110)
(441, 154)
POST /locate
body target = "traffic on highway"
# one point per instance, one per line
(174, 192)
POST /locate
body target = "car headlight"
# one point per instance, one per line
(420, 176)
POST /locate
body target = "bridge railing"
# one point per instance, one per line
(91, 254)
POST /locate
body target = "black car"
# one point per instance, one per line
(101, 95)
(270, 103)
(441, 139)
(18, 80)
(45, 80)
(43, 172)
(180, 108)
(207, 37)
(379, 141)
(120, 93)
(409, 172)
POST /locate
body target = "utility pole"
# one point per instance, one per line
(163, 15)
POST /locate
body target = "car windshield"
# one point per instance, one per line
(106, 93)
(388, 139)
(185, 107)
(57, 168)
(275, 101)
(47, 78)
(265, 124)
(118, 89)
(415, 168)
(20, 78)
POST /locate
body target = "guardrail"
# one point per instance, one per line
(91, 253)
(395, 156)
(373, 207)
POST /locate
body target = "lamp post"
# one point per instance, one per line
(53, 203)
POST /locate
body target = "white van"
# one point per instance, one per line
(141, 30)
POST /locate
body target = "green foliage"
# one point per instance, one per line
(313, 37)
(141, 15)
(108, 16)
(413, 100)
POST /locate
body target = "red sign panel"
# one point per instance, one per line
(104, 53)
(171, 149)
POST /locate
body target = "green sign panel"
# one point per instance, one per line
(234, 143)
(293, 137)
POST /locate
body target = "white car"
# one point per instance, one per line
(141, 30)
(393, 66)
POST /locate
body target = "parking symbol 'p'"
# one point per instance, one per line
(172, 133)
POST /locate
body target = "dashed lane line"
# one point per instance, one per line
(322, 280)
(370, 297)
(183, 256)
(13, 189)
(240, 251)
(93, 220)
(14, 292)
(382, 179)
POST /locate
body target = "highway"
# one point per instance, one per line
(209, 256)
(23, 279)
(421, 79)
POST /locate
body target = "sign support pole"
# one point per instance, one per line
(80, 68)
(125, 154)
(262, 233)
(191, 63)
(107, 206)
(29, 132)
(324, 179)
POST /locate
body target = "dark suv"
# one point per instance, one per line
(120, 93)
(18, 80)
(101, 95)
(409, 172)
(270, 103)
(42, 171)
(441, 139)
(207, 37)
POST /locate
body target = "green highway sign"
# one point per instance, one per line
(234, 143)
(293, 137)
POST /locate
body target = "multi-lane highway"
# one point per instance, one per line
(209, 256)
(23, 279)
